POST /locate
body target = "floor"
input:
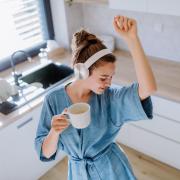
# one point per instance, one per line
(145, 168)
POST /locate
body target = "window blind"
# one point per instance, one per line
(22, 25)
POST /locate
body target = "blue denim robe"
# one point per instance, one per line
(93, 153)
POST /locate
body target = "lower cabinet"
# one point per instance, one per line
(150, 144)
(18, 158)
(159, 137)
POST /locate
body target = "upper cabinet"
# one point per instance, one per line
(169, 7)
(150, 6)
(131, 5)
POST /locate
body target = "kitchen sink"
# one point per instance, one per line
(48, 75)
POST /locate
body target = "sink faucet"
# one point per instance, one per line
(14, 73)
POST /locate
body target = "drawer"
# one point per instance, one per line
(161, 126)
(150, 144)
(166, 108)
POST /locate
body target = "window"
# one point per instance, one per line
(25, 24)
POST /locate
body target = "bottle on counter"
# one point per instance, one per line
(43, 55)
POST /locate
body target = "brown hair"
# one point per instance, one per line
(84, 45)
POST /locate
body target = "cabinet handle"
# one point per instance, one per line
(24, 123)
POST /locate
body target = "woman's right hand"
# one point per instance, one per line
(125, 27)
(59, 123)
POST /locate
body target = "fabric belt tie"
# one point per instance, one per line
(89, 161)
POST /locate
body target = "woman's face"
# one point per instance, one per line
(101, 77)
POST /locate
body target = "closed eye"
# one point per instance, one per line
(102, 79)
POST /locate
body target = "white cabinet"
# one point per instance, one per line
(164, 7)
(150, 6)
(161, 126)
(151, 144)
(18, 159)
(159, 137)
(166, 108)
(140, 5)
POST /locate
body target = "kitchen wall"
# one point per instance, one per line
(159, 34)
(66, 20)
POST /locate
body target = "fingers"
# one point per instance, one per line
(122, 23)
(131, 22)
(60, 127)
(59, 122)
(60, 119)
(125, 24)
(116, 25)
(120, 20)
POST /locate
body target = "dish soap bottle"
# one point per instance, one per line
(43, 55)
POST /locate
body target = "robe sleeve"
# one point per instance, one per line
(126, 105)
(44, 128)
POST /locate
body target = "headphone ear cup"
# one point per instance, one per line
(85, 73)
(80, 70)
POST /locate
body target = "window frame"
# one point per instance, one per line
(45, 8)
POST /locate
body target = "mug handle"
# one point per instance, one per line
(66, 114)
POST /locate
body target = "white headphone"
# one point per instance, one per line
(81, 69)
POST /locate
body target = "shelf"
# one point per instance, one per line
(91, 1)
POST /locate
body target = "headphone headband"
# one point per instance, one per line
(96, 56)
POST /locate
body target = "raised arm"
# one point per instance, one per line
(127, 29)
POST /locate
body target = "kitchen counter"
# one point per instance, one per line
(167, 74)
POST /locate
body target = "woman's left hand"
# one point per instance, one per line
(125, 27)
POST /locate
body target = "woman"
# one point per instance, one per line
(92, 152)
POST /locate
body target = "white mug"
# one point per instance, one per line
(78, 115)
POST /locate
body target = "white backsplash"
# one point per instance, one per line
(159, 34)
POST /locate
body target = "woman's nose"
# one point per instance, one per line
(108, 83)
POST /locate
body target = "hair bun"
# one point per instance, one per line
(82, 38)
(91, 37)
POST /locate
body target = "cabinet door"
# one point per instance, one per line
(161, 126)
(140, 5)
(159, 137)
(151, 144)
(164, 7)
(166, 108)
(17, 153)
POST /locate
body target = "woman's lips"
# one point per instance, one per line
(101, 88)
